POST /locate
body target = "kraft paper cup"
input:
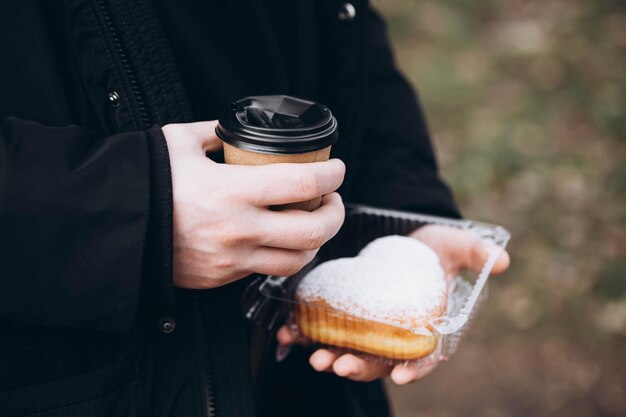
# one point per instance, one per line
(265, 130)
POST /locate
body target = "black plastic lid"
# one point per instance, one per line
(277, 124)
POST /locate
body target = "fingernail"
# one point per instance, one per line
(344, 371)
(282, 351)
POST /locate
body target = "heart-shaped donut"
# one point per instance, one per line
(375, 301)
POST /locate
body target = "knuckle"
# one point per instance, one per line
(294, 266)
(221, 278)
(230, 240)
(253, 235)
(253, 194)
(339, 170)
(235, 236)
(293, 269)
(224, 262)
(338, 217)
(315, 238)
(309, 255)
(225, 239)
(309, 185)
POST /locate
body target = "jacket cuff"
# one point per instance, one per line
(157, 288)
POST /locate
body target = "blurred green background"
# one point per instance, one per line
(526, 101)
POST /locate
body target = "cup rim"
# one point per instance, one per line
(305, 139)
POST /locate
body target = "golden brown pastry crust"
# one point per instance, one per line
(323, 324)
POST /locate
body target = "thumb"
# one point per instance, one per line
(197, 135)
(204, 132)
(482, 250)
(460, 249)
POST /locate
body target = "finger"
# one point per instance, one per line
(402, 374)
(302, 230)
(276, 184)
(322, 360)
(502, 263)
(481, 251)
(279, 262)
(459, 249)
(358, 369)
(453, 246)
(285, 336)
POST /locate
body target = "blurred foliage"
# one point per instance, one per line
(526, 100)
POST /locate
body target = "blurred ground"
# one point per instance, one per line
(527, 104)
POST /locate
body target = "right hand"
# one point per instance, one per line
(223, 227)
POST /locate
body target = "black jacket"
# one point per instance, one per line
(90, 324)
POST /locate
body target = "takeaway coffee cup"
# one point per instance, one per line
(265, 130)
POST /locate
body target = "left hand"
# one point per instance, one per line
(457, 250)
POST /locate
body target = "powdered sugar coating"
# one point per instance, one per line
(394, 279)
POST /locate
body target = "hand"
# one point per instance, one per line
(223, 227)
(457, 250)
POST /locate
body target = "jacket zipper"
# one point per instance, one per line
(206, 379)
(116, 45)
(206, 382)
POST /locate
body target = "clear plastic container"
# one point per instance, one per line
(273, 298)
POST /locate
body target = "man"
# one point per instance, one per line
(124, 250)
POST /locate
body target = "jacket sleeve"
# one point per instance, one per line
(74, 215)
(397, 166)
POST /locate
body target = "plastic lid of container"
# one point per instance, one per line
(277, 124)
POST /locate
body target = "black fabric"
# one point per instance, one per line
(105, 390)
(293, 387)
(229, 359)
(86, 195)
(238, 36)
(158, 293)
(62, 187)
(396, 167)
